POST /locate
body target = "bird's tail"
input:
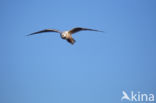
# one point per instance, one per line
(71, 40)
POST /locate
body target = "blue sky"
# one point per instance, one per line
(96, 69)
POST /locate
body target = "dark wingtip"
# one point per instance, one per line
(96, 30)
(30, 34)
(100, 31)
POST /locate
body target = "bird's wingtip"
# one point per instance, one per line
(100, 31)
(28, 34)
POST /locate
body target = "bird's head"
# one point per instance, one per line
(63, 35)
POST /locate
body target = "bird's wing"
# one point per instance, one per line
(45, 30)
(74, 30)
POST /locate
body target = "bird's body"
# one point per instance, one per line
(67, 35)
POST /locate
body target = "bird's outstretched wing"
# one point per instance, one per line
(77, 29)
(45, 30)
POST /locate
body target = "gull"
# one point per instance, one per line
(67, 35)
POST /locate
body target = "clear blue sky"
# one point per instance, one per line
(46, 69)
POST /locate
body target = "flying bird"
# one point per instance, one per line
(67, 35)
